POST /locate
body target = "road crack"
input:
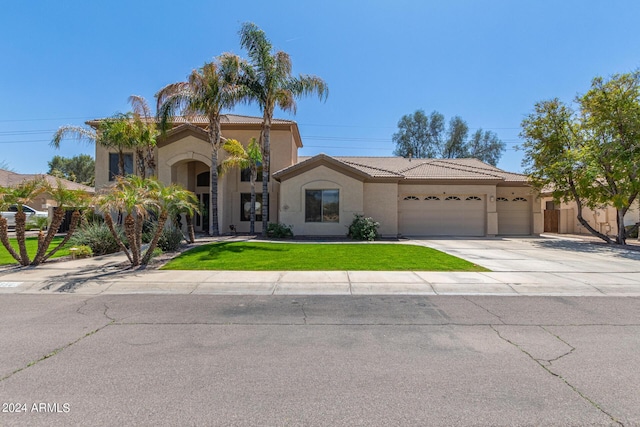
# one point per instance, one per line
(485, 309)
(556, 375)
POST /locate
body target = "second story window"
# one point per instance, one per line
(114, 159)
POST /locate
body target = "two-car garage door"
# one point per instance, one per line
(442, 215)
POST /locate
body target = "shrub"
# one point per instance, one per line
(98, 237)
(634, 233)
(363, 228)
(81, 251)
(170, 239)
(279, 231)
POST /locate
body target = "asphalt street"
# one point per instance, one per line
(319, 360)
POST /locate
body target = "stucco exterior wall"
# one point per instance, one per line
(381, 204)
(292, 201)
(602, 219)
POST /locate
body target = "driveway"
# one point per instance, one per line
(548, 261)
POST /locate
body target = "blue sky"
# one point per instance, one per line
(68, 61)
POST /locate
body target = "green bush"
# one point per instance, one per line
(170, 239)
(279, 231)
(363, 228)
(98, 237)
(81, 251)
(633, 234)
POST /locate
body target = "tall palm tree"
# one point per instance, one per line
(6, 199)
(207, 91)
(147, 132)
(117, 132)
(242, 158)
(270, 84)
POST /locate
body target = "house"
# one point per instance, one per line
(43, 201)
(319, 195)
(562, 217)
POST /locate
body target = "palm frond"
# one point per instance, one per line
(78, 133)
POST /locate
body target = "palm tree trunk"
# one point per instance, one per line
(140, 163)
(21, 221)
(75, 220)
(121, 162)
(266, 161)
(130, 232)
(154, 242)
(4, 237)
(109, 221)
(58, 218)
(214, 137)
(190, 229)
(252, 211)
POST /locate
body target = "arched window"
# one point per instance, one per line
(519, 199)
(411, 198)
(453, 198)
(502, 199)
(203, 179)
(473, 198)
(432, 198)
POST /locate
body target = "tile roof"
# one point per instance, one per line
(10, 179)
(224, 118)
(420, 169)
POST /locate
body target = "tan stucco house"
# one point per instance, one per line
(319, 195)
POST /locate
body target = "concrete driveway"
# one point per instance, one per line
(549, 262)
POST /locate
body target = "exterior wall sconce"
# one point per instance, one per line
(492, 199)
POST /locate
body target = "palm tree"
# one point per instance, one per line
(242, 158)
(64, 198)
(166, 200)
(19, 196)
(6, 199)
(270, 84)
(117, 132)
(207, 91)
(146, 136)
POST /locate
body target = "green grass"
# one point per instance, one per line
(32, 247)
(258, 256)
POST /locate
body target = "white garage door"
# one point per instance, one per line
(514, 215)
(442, 215)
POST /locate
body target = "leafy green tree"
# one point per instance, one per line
(249, 158)
(419, 135)
(81, 168)
(425, 136)
(591, 157)
(270, 83)
(208, 91)
(485, 146)
(455, 146)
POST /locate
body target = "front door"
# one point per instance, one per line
(202, 220)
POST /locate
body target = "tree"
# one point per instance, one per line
(485, 146)
(207, 91)
(248, 158)
(419, 135)
(270, 83)
(116, 132)
(146, 134)
(455, 146)
(81, 168)
(425, 137)
(591, 157)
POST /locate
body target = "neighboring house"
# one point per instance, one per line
(320, 195)
(562, 217)
(43, 201)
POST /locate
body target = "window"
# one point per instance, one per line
(114, 159)
(411, 198)
(322, 205)
(453, 198)
(502, 199)
(473, 198)
(432, 198)
(245, 207)
(519, 199)
(245, 174)
(203, 179)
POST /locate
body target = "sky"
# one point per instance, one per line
(488, 61)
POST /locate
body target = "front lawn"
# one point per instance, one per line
(32, 247)
(259, 256)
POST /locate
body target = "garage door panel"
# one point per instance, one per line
(436, 216)
(514, 216)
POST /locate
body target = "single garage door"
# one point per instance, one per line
(442, 215)
(514, 216)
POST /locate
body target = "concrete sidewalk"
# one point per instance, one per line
(105, 275)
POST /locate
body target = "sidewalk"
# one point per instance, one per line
(105, 275)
